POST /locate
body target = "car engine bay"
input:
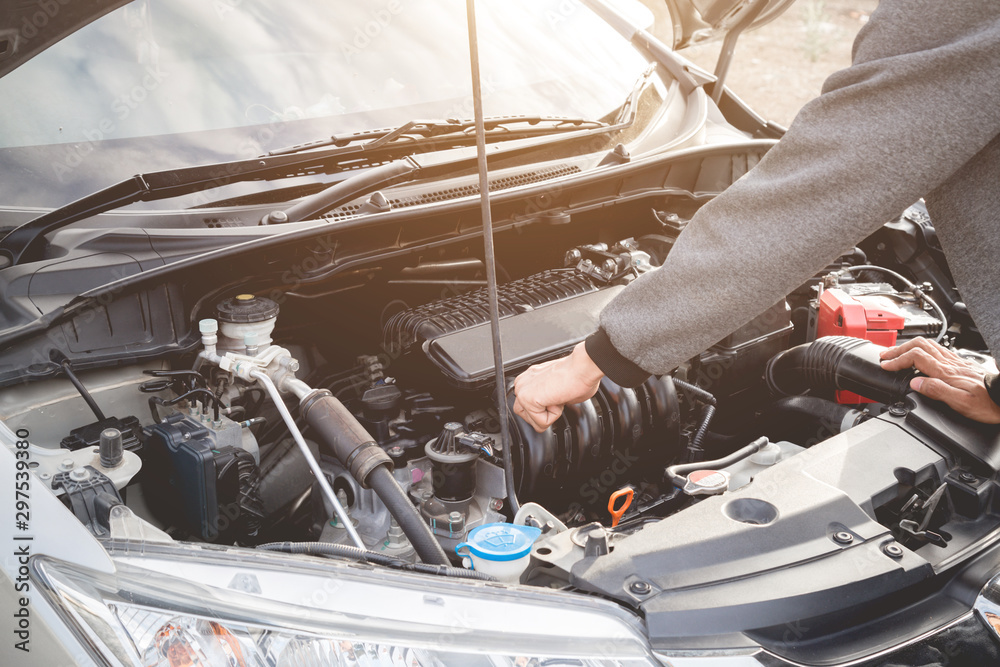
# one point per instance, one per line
(715, 499)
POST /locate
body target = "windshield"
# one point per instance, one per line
(164, 83)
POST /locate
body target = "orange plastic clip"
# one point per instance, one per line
(616, 514)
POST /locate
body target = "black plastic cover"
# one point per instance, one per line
(416, 325)
(939, 424)
(90, 499)
(466, 357)
(90, 435)
(764, 555)
(192, 484)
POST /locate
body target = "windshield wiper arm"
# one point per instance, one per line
(508, 127)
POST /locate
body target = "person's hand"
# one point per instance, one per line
(950, 378)
(541, 391)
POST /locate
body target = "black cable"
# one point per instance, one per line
(699, 393)
(153, 402)
(695, 448)
(156, 400)
(345, 551)
(250, 504)
(169, 378)
(71, 376)
(255, 404)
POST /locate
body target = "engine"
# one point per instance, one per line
(388, 438)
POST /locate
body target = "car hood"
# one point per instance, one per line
(28, 28)
(699, 21)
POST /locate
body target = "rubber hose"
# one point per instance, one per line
(800, 419)
(413, 525)
(837, 362)
(368, 463)
(348, 551)
(678, 474)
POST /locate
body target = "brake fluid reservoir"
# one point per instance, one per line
(246, 320)
(500, 549)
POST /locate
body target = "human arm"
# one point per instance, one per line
(917, 104)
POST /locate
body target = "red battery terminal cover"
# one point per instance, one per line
(843, 315)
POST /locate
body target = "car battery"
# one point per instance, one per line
(872, 311)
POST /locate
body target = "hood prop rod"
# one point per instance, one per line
(729, 47)
(491, 269)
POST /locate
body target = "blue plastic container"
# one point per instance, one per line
(500, 549)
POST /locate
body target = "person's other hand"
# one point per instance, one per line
(541, 391)
(950, 378)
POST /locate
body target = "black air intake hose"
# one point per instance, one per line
(806, 420)
(837, 362)
(371, 466)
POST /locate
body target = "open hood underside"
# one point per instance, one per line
(700, 21)
(28, 27)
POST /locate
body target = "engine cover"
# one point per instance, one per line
(542, 317)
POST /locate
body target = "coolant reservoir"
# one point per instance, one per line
(500, 549)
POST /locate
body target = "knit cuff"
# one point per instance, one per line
(620, 369)
(992, 386)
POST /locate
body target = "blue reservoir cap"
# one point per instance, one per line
(500, 541)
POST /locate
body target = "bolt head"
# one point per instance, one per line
(640, 588)
(897, 410)
(79, 474)
(455, 517)
(893, 550)
(843, 537)
(66, 464)
(968, 477)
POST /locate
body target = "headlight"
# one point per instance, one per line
(201, 607)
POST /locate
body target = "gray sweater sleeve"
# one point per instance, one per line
(921, 98)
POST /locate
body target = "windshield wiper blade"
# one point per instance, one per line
(389, 174)
(506, 127)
